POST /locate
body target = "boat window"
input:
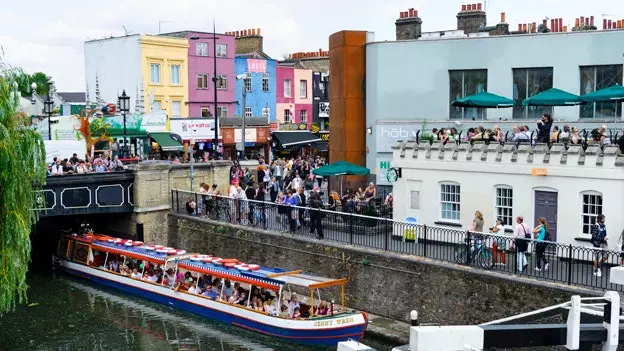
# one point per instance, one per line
(81, 252)
(64, 248)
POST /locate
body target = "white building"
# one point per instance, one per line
(411, 81)
(445, 185)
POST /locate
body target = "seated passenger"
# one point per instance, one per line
(284, 312)
(242, 299)
(193, 289)
(136, 274)
(227, 290)
(114, 266)
(124, 270)
(296, 313)
(169, 278)
(292, 304)
(209, 292)
(234, 298)
(257, 304)
(322, 309)
(269, 307)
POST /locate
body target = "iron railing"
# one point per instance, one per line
(566, 263)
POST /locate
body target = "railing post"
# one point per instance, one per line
(177, 201)
(351, 228)
(197, 204)
(172, 191)
(424, 240)
(570, 264)
(468, 248)
(387, 236)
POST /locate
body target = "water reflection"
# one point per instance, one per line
(68, 314)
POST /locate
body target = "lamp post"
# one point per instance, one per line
(124, 107)
(214, 82)
(48, 107)
(192, 157)
(242, 78)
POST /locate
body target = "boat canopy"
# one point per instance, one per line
(234, 274)
(306, 280)
(136, 252)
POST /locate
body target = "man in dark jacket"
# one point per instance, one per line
(544, 125)
(316, 215)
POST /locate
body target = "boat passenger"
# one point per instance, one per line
(296, 314)
(209, 292)
(135, 274)
(284, 312)
(193, 290)
(125, 271)
(113, 265)
(292, 304)
(270, 308)
(234, 298)
(242, 298)
(169, 278)
(322, 309)
(228, 289)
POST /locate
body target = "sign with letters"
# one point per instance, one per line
(323, 109)
(387, 135)
(259, 66)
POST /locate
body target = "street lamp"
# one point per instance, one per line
(33, 89)
(48, 107)
(214, 81)
(124, 107)
(242, 78)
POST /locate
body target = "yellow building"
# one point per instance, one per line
(164, 68)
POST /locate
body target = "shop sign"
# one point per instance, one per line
(200, 129)
(386, 136)
(262, 135)
(324, 109)
(250, 135)
(274, 126)
(256, 66)
(293, 126)
(324, 136)
(228, 136)
(381, 171)
(154, 122)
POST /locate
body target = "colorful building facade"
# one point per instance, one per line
(201, 71)
(260, 87)
(294, 96)
(285, 108)
(303, 96)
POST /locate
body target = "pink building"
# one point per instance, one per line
(201, 70)
(294, 95)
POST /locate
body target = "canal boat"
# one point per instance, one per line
(89, 256)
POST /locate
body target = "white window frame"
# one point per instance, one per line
(248, 82)
(266, 82)
(287, 88)
(287, 116)
(173, 110)
(303, 116)
(590, 216)
(201, 49)
(175, 78)
(156, 106)
(153, 79)
(221, 50)
(204, 80)
(248, 112)
(505, 193)
(224, 80)
(303, 89)
(222, 111)
(207, 109)
(450, 193)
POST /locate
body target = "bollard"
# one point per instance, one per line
(414, 318)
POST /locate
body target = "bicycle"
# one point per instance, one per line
(258, 217)
(479, 254)
(218, 211)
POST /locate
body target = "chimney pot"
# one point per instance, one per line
(411, 12)
(560, 26)
(591, 20)
(552, 25)
(479, 6)
(565, 28)
(534, 27)
(577, 22)
(609, 24)
(253, 32)
(582, 20)
(502, 17)
(545, 23)
(401, 14)
(524, 27)
(259, 32)
(463, 8)
(519, 27)
(604, 23)
(415, 13)
(619, 24)
(587, 22)
(474, 7)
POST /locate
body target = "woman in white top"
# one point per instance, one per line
(500, 242)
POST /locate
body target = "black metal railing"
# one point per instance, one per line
(551, 261)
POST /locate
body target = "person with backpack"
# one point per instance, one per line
(316, 204)
(542, 236)
(522, 233)
(599, 241)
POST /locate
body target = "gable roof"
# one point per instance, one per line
(73, 96)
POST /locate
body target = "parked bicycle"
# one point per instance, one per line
(218, 211)
(479, 253)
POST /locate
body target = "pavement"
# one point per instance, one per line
(388, 330)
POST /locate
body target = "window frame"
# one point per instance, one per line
(303, 116)
(303, 89)
(266, 82)
(221, 50)
(248, 83)
(482, 112)
(222, 78)
(289, 115)
(599, 208)
(199, 49)
(594, 105)
(207, 79)
(248, 112)
(173, 115)
(179, 75)
(220, 110)
(526, 72)
(441, 202)
(287, 83)
(497, 206)
(207, 109)
(152, 66)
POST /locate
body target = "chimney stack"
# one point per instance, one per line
(591, 20)
(463, 8)
(248, 41)
(552, 25)
(519, 27)
(524, 27)
(472, 18)
(560, 26)
(502, 17)
(408, 25)
(534, 27)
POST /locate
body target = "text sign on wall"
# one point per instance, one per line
(539, 172)
(250, 135)
(256, 66)
(387, 135)
(324, 109)
(198, 129)
(383, 166)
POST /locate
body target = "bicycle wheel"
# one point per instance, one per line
(485, 259)
(252, 217)
(460, 255)
(214, 213)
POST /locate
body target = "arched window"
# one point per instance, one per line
(450, 201)
(591, 207)
(503, 203)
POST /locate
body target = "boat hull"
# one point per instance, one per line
(327, 332)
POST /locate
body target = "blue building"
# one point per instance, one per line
(261, 89)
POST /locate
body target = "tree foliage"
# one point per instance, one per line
(22, 172)
(25, 80)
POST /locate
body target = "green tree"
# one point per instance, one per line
(22, 171)
(42, 83)
(25, 80)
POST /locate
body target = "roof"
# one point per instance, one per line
(292, 138)
(316, 64)
(74, 96)
(255, 55)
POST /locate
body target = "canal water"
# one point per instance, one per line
(67, 313)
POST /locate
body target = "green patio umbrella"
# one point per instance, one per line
(612, 93)
(341, 168)
(553, 97)
(484, 100)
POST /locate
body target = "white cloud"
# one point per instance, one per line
(48, 36)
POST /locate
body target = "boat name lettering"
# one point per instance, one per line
(323, 323)
(345, 320)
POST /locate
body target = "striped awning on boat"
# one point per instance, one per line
(131, 251)
(231, 273)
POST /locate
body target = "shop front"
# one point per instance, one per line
(293, 143)
(198, 132)
(256, 143)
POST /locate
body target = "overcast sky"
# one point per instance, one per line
(48, 36)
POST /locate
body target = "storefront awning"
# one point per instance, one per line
(321, 146)
(288, 139)
(130, 132)
(166, 142)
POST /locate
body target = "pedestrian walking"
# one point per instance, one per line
(522, 233)
(599, 241)
(541, 235)
(316, 204)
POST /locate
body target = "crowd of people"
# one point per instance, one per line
(216, 289)
(75, 165)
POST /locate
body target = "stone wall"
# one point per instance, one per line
(408, 28)
(381, 283)
(249, 44)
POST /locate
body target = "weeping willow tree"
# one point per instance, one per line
(22, 172)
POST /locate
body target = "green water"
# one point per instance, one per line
(66, 313)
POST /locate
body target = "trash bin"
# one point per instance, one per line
(409, 234)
